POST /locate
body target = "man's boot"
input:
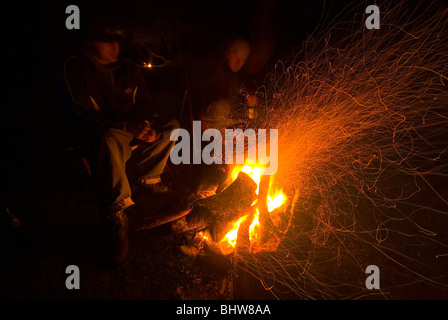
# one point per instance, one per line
(153, 186)
(119, 225)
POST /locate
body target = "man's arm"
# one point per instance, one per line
(143, 108)
(140, 121)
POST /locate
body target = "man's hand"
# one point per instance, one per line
(142, 130)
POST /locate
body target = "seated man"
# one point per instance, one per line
(226, 94)
(113, 104)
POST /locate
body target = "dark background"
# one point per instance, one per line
(37, 42)
(47, 188)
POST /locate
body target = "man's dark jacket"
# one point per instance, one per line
(108, 97)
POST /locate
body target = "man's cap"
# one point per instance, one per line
(105, 34)
(102, 28)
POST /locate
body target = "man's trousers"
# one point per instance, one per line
(115, 164)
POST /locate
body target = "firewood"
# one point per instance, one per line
(243, 244)
(220, 210)
(170, 216)
(266, 225)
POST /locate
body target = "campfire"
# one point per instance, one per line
(245, 214)
(248, 227)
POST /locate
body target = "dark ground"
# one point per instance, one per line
(60, 228)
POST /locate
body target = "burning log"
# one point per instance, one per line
(237, 237)
(218, 212)
(243, 245)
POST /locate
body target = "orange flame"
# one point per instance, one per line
(276, 201)
(229, 240)
(254, 227)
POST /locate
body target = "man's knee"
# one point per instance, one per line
(112, 139)
(172, 124)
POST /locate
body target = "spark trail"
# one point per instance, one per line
(361, 116)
